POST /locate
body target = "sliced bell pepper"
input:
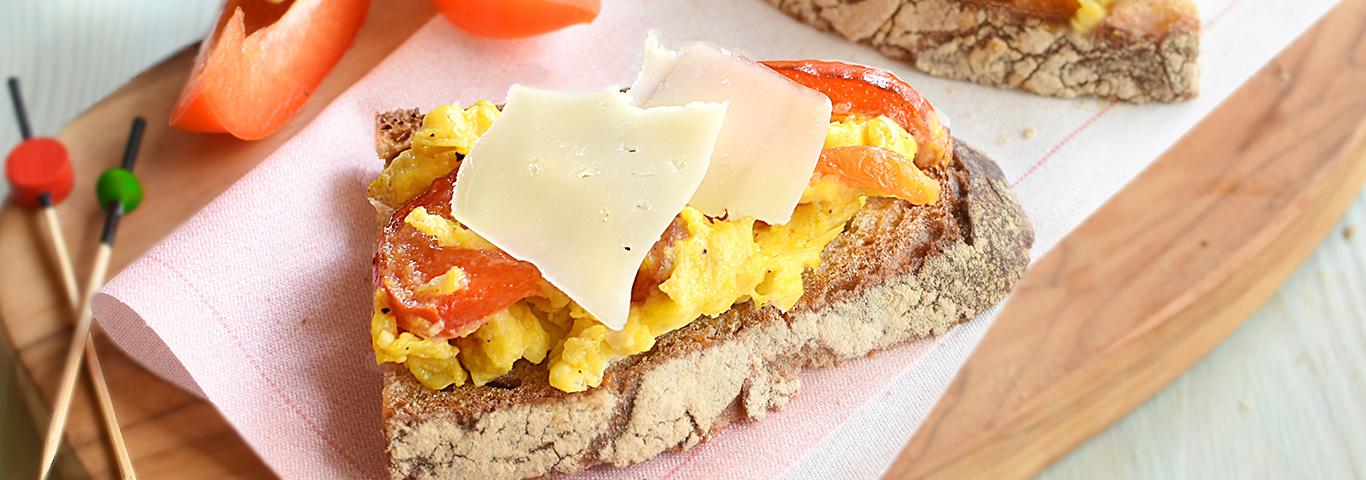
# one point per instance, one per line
(516, 18)
(263, 61)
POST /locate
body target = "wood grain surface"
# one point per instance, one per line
(1273, 166)
(1165, 270)
(170, 433)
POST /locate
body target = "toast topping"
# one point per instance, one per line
(585, 196)
(1084, 14)
(869, 92)
(771, 137)
(594, 190)
(447, 135)
(711, 264)
(1090, 13)
(421, 243)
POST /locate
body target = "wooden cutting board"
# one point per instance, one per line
(1139, 292)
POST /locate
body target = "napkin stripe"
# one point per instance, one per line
(281, 393)
(1064, 141)
(692, 455)
(1220, 15)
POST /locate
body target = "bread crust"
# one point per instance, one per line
(394, 132)
(1144, 51)
(898, 273)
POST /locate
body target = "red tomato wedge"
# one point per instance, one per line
(262, 63)
(872, 92)
(516, 18)
(880, 169)
(408, 258)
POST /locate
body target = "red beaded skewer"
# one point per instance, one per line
(40, 175)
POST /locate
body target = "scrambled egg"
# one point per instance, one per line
(878, 132)
(1090, 14)
(447, 134)
(719, 264)
(448, 233)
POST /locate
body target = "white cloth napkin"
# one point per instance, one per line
(261, 302)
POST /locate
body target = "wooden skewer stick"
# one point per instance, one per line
(54, 232)
(57, 426)
(81, 340)
(92, 358)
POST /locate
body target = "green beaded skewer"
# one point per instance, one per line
(118, 188)
(119, 185)
(119, 193)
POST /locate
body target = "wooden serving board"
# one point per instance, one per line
(1163, 271)
(1133, 297)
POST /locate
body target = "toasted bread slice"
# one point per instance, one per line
(1142, 51)
(898, 273)
(394, 132)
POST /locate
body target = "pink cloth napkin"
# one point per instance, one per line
(261, 302)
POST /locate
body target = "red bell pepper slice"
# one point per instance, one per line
(262, 63)
(516, 18)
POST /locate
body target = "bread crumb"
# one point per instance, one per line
(1246, 404)
(1348, 232)
(1030, 133)
(1004, 140)
(953, 90)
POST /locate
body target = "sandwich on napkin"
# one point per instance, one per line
(576, 279)
(1133, 50)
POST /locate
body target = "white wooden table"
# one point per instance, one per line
(1284, 397)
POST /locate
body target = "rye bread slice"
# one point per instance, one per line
(898, 273)
(1145, 50)
(394, 132)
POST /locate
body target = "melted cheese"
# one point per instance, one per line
(771, 138)
(583, 184)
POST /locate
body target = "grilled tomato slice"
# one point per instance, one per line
(442, 289)
(856, 89)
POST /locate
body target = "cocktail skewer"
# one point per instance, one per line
(39, 172)
(119, 192)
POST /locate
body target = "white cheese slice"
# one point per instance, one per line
(658, 64)
(772, 136)
(583, 184)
